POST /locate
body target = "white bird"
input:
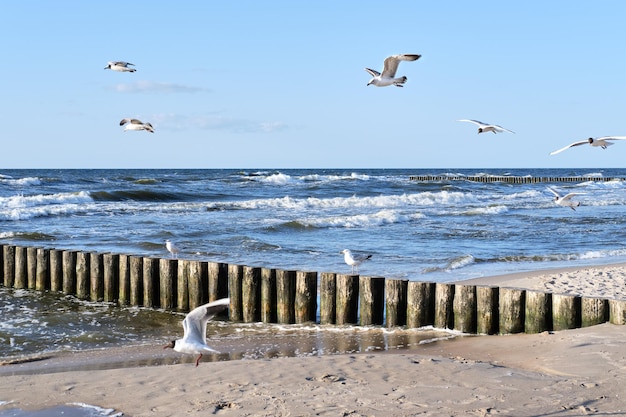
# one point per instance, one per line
(120, 66)
(388, 77)
(194, 326)
(485, 127)
(171, 248)
(134, 124)
(566, 200)
(354, 260)
(601, 142)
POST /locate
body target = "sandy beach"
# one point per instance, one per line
(564, 373)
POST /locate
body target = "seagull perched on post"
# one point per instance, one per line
(135, 124)
(120, 66)
(388, 76)
(171, 248)
(194, 326)
(354, 260)
(485, 127)
(566, 200)
(602, 142)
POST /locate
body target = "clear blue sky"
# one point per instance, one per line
(281, 84)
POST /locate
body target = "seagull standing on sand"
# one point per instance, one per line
(354, 260)
(171, 248)
(485, 127)
(120, 66)
(388, 76)
(601, 142)
(194, 326)
(565, 201)
(134, 124)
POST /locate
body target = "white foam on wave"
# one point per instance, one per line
(20, 207)
(379, 218)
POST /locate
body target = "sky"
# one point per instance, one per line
(281, 84)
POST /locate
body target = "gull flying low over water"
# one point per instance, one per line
(485, 127)
(602, 142)
(354, 260)
(171, 248)
(134, 124)
(194, 326)
(566, 200)
(388, 76)
(120, 66)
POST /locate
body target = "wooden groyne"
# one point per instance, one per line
(509, 179)
(288, 297)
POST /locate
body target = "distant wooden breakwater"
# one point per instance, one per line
(287, 296)
(510, 179)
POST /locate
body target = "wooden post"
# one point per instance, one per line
(487, 317)
(182, 286)
(594, 311)
(21, 270)
(285, 296)
(110, 263)
(396, 302)
(464, 308)
(136, 280)
(512, 306)
(371, 300)
(218, 280)
(538, 312)
(444, 305)
(150, 273)
(617, 311)
(96, 277)
(268, 295)
(31, 267)
(82, 275)
(56, 270)
(306, 297)
(235, 281)
(69, 272)
(124, 279)
(347, 302)
(167, 281)
(328, 297)
(42, 280)
(251, 294)
(8, 265)
(565, 311)
(420, 304)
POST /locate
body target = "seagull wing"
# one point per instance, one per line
(554, 192)
(476, 122)
(136, 121)
(372, 72)
(124, 121)
(502, 129)
(581, 142)
(611, 138)
(121, 63)
(195, 322)
(569, 196)
(391, 66)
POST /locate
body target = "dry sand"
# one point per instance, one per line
(565, 373)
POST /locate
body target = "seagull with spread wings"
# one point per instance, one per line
(388, 76)
(602, 142)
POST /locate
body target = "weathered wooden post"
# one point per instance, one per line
(96, 277)
(150, 272)
(8, 265)
(69, 272)
(197, 283)
(328, 297)
(464, 308)
(82, 275)
(182, 286)
(167, 281)
(31, 267)
(396, 302)
(444, 305)
(285, 296)
(21, 269)
(110, 264)
(268, 295)
(56, 270)
(512, 307)
(136, 280)
(347, 302)
(617, 311)
(538, 312)
(42, 280)
(218, 280)
(124, 279)
(371, 300)
(594, 311)
(487, 317)
(306, 297)
(251, 294)
(565, 311)
(235, 292)
(420, 304)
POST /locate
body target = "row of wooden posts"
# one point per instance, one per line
(509, 178)
(286, 296)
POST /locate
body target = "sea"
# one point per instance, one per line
(297, 219)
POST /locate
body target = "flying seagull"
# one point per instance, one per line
(120, 66)
(485, 127)
(194, 326)
(389, 71)
(354, 260)
(601, 142)
(134, 124)
(566, 200)
(171, 248)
